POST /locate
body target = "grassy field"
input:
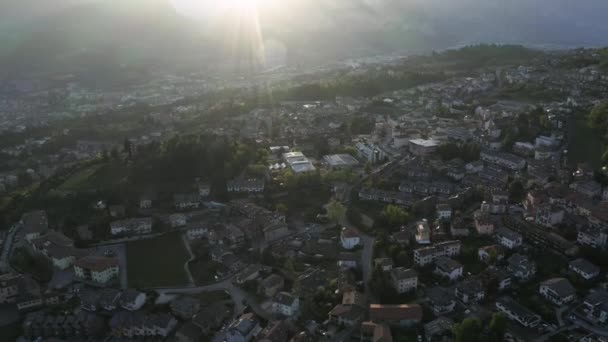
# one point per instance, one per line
(157, 262)
(95, 177)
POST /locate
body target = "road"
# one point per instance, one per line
(239, 296)
(7, 248)
(192, 257)
(367, 257)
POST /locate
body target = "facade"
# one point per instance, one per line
(404, 280)
(350, 238)
(559, 291)
(137, 226)
(286, 304)
(508, 238)
(426, 255)
(517, 312)
(298, 162)
(448, 268)
(521, 267)
(423, 147)
(584, 268)
(370, 153)
(340, 161)
(444, 212)
(398, 315)
(253, 185)
(97, 269)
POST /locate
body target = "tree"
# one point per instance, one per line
(336, 211)
(469, 330)
(516, 191)
(498, 326)
(368, 168)
(395, 215)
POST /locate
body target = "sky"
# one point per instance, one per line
(45, 32)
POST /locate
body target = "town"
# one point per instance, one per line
(459, 196)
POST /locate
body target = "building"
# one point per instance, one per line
(136, 226)
(517, 312)
(448, 268)
(400, 315)
(132, 300)
(592, 237)
(559, 291)
(298, 162)
(521, 267)
(549, 216)
(438, 328)
(423, 233)
(490, 254)
(386, 264)
(252, 185)
(186, 201)
(348, 260)
(286, 304)
(9, 287)
(373, 332)
(483, 223)
(440, 301)
(340, 161)
(584, 268)
(271, 285)
(595, 306)
(276, 331)
(508, 238)
(177, 220)
(444, 212)
(404, 280)
(423, 147)
(370, 153)
(35, 223)
(470, 290)
(343, 314)
(139, 324)
(504, 159)
(350, 238)
(96, 269)
(57, 248)
(427, 255)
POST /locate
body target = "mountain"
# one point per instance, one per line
(78, 34)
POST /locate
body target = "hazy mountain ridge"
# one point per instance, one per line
(69, 33)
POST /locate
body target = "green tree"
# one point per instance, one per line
(336, 211)
(469, 330)
(516, 191)
(498, 326)
(368, 168)
(395, 215)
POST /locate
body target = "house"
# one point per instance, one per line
(426, 255)
(196, 231)
(252, 185)
(497, 277)
(109, 299)
(276, 231)
(423, 147)
(521, 267)
(348, 260)
(371, 331)
(584, 268)
(440, 301)
(350, 238)
(595, 306)
(57, 248)
(444, 212)
(271, 285)
(348, 315)
(517, 312)
(483, 223)
(186, 201)
(592, 237)
(245, 328)
(353, 297)
(137, 226)
(386, 264)
(448, 268)
(549, 216)
(9, 287)
(96, 269)
(423, 233)
(490, 254)
(474, 167)
(508, 238)
(139, 324)
(437, 328)
(286, 304)
(404, 280)
(400, 314)
(277, 331)
(204, 189)
(34, 223)
(132, 300)
(177, 220)
(504, 159)
(470, 290)
(340, 161)
(249, 273)
(369, 152)
(557, 290)
(189, 332)
(309, 282)
(185, 307)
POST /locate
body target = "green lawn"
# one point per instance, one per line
(157, 262)
(94, 177)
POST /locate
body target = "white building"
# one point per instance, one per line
(557, 290)
(423, 147)
(132, 226)
(448, 268)
(286, 304)
(298, 162)
(427, 255)
(509, 238)
(350, 238)
(370, 153)
(404, 280)
(97, 269)
(444, 212)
